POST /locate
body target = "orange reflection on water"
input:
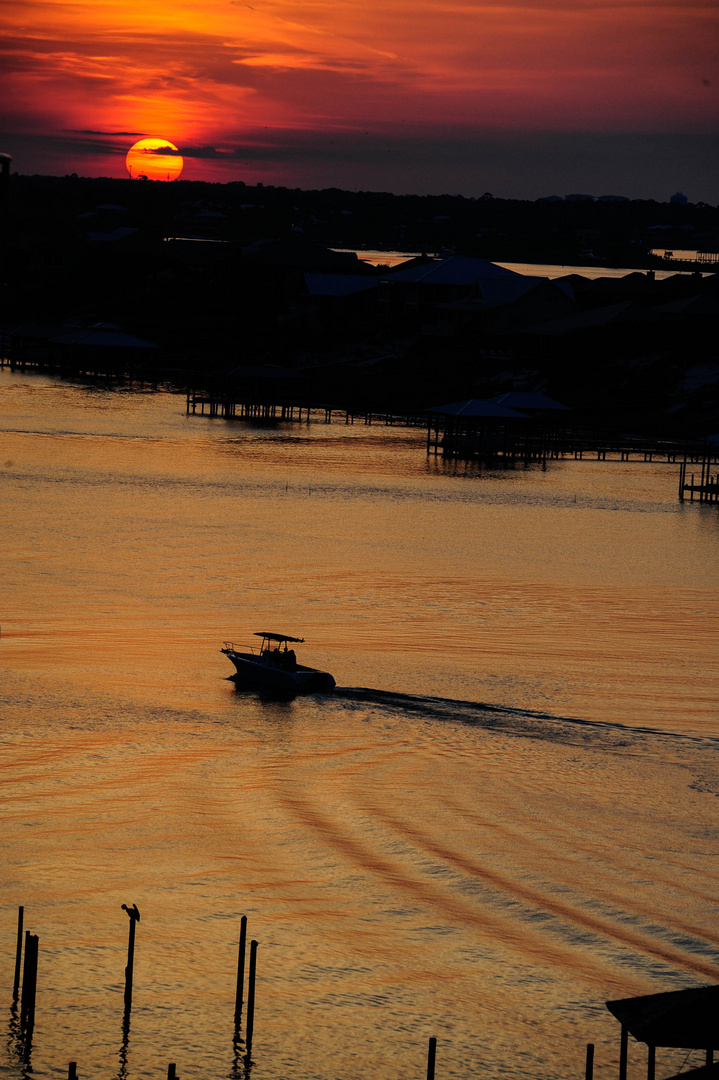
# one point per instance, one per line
(411, 861)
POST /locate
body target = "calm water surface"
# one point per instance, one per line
(506, 815)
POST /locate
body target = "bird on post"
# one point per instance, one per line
(131, 911)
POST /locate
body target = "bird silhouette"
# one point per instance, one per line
(131, 911)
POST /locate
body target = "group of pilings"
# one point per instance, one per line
(25, 1024)
(232, 407)
(29, 988)
(239, 992)
(706, 488)
(508, 443)
(456, 437)
(26, 961)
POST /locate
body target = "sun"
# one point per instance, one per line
(154, 159)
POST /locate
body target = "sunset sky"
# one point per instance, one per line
(548, 96)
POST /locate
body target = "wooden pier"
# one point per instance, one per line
(233, 407)
(230, 408)
(706, 488)
(499, 442)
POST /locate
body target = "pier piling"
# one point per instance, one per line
(72, 1070)
(589, 1064)
(134, 916)
(18, 954)
(29, 986)
(623, 1052)
(251, 1001)
(240, 971)
(431, 1057)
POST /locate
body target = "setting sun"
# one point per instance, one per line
(155, 159)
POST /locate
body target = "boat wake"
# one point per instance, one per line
(522, 722)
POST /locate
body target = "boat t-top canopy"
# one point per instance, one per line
(278, 637)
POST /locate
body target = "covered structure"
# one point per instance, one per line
(475, 427)
(532, 402)
(686, 1019)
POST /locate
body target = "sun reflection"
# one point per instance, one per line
(154, 159)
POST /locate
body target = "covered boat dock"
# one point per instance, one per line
(683, 1019)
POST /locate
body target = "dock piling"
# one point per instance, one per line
(623, 1052)
(431, 1057)
(18, 954)
(134, 916)
(589, 1064)
(240, 971)
(29, 985)
(72, 1070)
(251, 1001)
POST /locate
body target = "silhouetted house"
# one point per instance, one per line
(274, 276)
(198, 221)
(88, 347)
(107, 227)
(304, 255)
(413, 294)
(502, 306)
(602, 291)
(623, 329)
(121, 237)
(348, 299)
(703, 306)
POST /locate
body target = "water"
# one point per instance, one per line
(548, 270)
(505, 816)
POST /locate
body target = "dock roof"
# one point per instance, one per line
(476, 408)
(531, 402)
(338, 285)
(686, 1019)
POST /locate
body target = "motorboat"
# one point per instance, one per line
(273, 667)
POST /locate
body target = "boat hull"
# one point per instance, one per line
(256, 674)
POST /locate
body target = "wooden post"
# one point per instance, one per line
(18, 954)
(129, 970)
(25, 981)
(589, 1065)
(709, 1058)
(240, 970)
(134, 916)
(172, 1071)
(29, 984)
(72, 1070)
(431, 1056)
(251, 999)
(623, 1050)
(651, 1061)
